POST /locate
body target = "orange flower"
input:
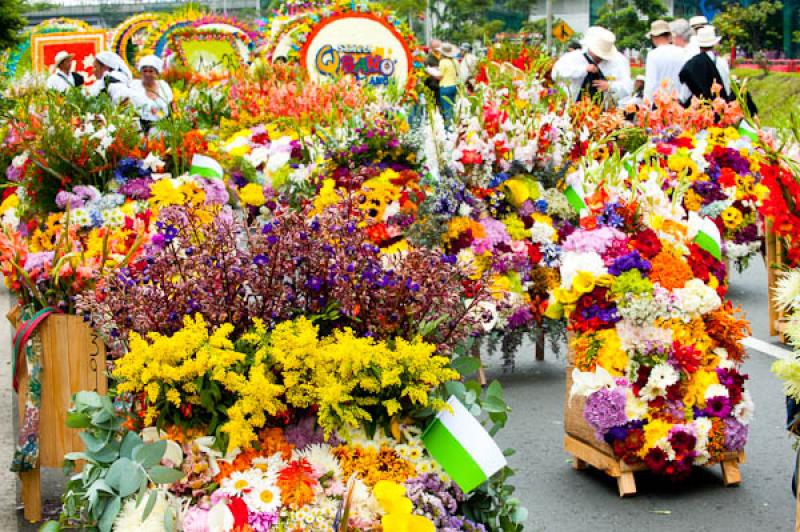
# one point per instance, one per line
(727, 329)
(374, 465)
(297, 483)
(272, 441)
(670, 271)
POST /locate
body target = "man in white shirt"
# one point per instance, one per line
(61, 79)
(600, 69)
(664, 62)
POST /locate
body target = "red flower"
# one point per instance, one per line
(471, 157)
(647, 243)
(727, 178)
(534, 253)
(687, 357)
(239, 510)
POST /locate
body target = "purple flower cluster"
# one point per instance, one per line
(604, 410)
(439, 501)
(629, 262)
(263, 521)
(735, 434)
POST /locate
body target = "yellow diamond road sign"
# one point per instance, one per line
(562, 31)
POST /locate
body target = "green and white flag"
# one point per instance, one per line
(746, 129)
(206, 167)
(463, 447)
(708, 238)
(574, 196)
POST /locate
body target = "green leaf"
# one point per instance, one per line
(169, 520)
(151, 501)
(77, 420)
(92, 444)
(101, 416)
(50, 526)
(494, 404)
(150, 454)
(495, 389)
(90, 399)
(129, 444)
(109, 515)
(125, 476)
(456, 388)
(466, 365)
(165, 475)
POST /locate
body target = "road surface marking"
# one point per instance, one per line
(766, 347)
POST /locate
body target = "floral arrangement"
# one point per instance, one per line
(655, 348)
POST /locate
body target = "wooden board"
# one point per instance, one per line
(774, 261)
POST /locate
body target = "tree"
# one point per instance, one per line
(630, 20)
(11, 22)
(750, 26)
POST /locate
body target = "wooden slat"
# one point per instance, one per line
(770, 242)
(592, 456)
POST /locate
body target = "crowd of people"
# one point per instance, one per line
(150, 96)
(683, 63)
(447, 66)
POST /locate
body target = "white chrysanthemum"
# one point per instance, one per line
(363, 506)
(743, 411)
(635, 408)
(573, 262)
(130, 518)
(265, 496)
(697, 298)
(240, 482)
(319, 455)
(787, 290)
(716, 390)
(663, 376)
(542, 233)
(702, 427)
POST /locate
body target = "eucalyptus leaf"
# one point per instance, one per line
(90, 399)
(109, 515)
(77, 420)
(150, 454)
(125, 476)
(148, 507)
(129, 443)
(165, 475)
(455, 388)
(466, 365)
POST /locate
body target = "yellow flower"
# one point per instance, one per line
(397, 509)
(610, 355)
(732, 217)
(700, 381)
(654, 431)
(693, 201)
(516, 227)
(252, 194)
(583, 282)
(174, 397)
(9, 203)
(163, 193)
(681, 163)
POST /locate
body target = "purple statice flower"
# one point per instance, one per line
(138, 188)
(87, 192)
(216, 193)
(434, 498)
(262, 521)
(735, 434)
(520, 318)
(629, 262)
(65, 199)
(719, 406)
(605, 409)
(306, 432)
(746, 235)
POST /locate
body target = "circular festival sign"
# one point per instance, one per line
(361, 45)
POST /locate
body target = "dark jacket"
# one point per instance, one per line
(699, 74)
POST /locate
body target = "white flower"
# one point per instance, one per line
(152, 162)
(542, 233)
(743, 411)
(662, 377)
(635, 408)
(220, 518)
(697, 298)
(716, 390)
(241, 482)
(585, 383)
(80, 217)
(321, 459)
(573, 262)
(264, 497)
(20, 160)
(130, 518)
(464, 210)
(787, 290)
(364, 506)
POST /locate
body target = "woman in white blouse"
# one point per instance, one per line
(153, 96)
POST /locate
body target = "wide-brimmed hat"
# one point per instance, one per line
(62, 56)
(698, 21)
(707, 37)
(600, 42)
(466, 46)
(448, 50)
(658, 27)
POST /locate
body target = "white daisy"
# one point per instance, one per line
(241, 482)
(270, 466)
(264, 497)
(321, 459)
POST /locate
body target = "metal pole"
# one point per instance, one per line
(549, 26)
(428, 23)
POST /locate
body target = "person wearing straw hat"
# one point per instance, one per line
(698, 22)
(707, 68)
(448, 79)
(152, 96)
(664, 62)
(597, 70)
(468, 65)
(63, 79)
(113, 77)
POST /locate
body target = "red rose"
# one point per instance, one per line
(647, 243)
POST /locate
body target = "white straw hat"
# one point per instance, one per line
(152, 61)
(600, 42)
(62, 56)
(707, 37)
(698, 21)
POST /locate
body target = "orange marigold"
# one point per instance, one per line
(374, 465)
(670, 271)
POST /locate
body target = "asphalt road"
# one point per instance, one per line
(560, 499)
